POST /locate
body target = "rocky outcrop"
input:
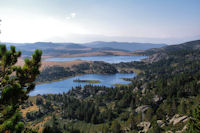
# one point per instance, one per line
(144, 126)
(135, 89)
(142, 108)
(156, 98)
(183, 130)
(177, 119)
(161, 123)
(155, 57)
(168, 132)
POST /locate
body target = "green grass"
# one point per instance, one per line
(87, 81)
(137, 71)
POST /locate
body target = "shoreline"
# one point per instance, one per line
(39, 83)
(64, 78)
(93, 54)
(136, 71)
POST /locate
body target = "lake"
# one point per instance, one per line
(65, 85)
(108, 59)
(106, 80)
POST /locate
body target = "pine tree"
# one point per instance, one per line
(15, 84)
(55, 125)
(183, 107)
(105, 128)
(155, 128)
(132, 123)
(115, 127)
(194, 123)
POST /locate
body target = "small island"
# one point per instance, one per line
(87, 81)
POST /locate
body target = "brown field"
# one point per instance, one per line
(54, 63)
(70, 63)
(106, 52)
(40, 125)
(83, 54)
(29, 109)
(138, 52)
(120, 53)
(63, 64)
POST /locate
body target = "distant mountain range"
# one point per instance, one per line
(129, 46)
(74, 49)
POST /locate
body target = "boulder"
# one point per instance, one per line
(145, 126)
(160, 123)
(168, 132)
(142, 108)
(135, 89)
(156, 98)
(177, 119)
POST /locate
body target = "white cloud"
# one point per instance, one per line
(71, 16)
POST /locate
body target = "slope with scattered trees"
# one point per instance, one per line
(15, 84)
(161, 98)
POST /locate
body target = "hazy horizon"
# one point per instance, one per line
(152, 21)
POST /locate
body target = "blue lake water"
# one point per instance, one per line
(106, 80)
(65, 85)
(108, 59)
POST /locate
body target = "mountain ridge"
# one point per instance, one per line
(52, 49)
(130, 46)
(156, 54)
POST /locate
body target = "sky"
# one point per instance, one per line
(80, 21)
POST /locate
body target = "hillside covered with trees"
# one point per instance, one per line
(163, 97)
(60, 72)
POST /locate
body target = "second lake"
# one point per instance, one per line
(67, 84)
(108, 59)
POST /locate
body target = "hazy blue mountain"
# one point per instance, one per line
(49, 45)
(129, 46)
(60, 49)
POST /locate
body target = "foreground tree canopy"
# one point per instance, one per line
(15, 84)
